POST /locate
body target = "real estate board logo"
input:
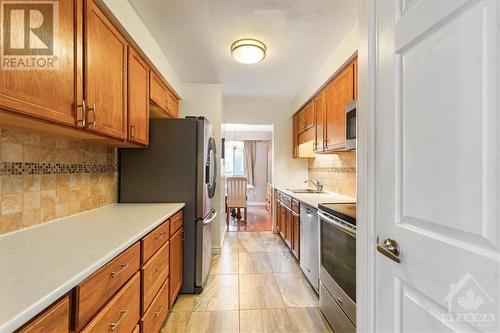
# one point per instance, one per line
(29, 31)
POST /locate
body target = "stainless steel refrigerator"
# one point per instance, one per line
(179, 165)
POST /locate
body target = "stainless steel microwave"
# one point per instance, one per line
(350, 125)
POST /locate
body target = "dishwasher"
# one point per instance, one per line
(309, 244)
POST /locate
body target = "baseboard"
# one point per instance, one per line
(256, 203)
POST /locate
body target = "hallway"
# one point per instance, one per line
(259, 220)
(255, 285)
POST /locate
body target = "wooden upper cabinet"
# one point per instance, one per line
(355, 72)
(305, 118)
(165, 102)
(50, 94)
(295, 136)
(138, 98)
(337, 94)
(106, 75)
(319, 115)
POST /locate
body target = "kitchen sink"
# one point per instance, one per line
(304, 190)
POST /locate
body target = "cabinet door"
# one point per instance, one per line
(138, 98)
(355, 73)
(296, 235)
(283, 221)
(176, 260)
(308, 115)
(159, 93)
(106, 75)
(288, 228)
(338, 94)
(51, 94)
(295, 135)
(319, 114)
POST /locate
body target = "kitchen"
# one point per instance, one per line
(113, 200)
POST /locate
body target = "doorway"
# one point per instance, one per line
(248, 153)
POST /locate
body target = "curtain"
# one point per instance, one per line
(250, 151)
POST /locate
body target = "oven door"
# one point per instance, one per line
(338, 262)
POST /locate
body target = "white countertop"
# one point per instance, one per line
(314, 199)
(40, 264)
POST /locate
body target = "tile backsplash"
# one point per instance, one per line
(44, 177)
(337, 172)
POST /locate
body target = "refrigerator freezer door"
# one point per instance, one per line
(206, 154)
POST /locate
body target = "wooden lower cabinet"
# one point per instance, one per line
(176, 262)
(288, 221)
(122, 313)
(93, 293)
(55, 319)
(128, 294)
(155, 316)
(296, 235)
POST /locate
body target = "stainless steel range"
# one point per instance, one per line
(337, 290)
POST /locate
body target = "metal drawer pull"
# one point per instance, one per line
(157, 269)
(157, 313)
(122, 269)
(114, 326)
(160, 235)
(94, 111)
(84, 114)
(339, 300)
(390, 249)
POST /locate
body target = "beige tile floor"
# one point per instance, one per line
(255, 285)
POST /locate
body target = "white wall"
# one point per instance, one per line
(287, 172)
(206, 100)
(128, 18)
(247, 135)
(343, 52)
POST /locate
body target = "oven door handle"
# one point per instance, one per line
(342, 227)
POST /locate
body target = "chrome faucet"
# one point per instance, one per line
(319, 187)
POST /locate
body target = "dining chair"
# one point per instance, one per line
(236, 196)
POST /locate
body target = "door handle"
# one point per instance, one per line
(390, 249)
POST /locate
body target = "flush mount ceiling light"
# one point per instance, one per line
(248, 51)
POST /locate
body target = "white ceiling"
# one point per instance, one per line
(196, 35)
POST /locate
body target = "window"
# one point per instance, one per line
(234, 159)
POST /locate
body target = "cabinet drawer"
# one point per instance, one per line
(154, 240)
(94, 292)
(55, 319)
(176, 222)
(295, 206)
(153, 275)
(155, 316)
(286, 200)
(121, 314)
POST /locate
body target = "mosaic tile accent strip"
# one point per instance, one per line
(31, 168)
(334, 169)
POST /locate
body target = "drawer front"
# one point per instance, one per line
(95, 291)
(121, 314)
(295, 206)
(153, 275)
(154, 240)
(286, 200)
(155, 316)
(55, 319)
(176, 222)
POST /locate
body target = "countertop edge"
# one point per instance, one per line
(310, 203)
(22, 318)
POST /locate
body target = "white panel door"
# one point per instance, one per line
(437, 165)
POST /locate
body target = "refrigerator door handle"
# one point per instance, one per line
(213, 215)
